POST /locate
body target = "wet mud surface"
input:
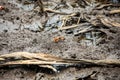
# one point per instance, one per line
(21, 31)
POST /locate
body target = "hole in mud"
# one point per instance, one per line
(17, 18)
(73, 56)
(91, 38)
(5, 31)
(66, 49)
(69, 32)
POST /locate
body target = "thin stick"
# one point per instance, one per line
(68, 27)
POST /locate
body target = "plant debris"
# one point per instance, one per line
(82, 36)
(98, 15)
(49, 61)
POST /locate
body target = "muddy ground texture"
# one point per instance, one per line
(21, 29)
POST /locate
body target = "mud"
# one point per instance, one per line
(21, 31)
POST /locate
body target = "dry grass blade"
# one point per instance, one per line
(105, 22)
(68, 27)
(108, 22)
(46, 60)
(56, 12)
(26, 55)
(114, 11)
(40, 3)
(32, 62)
(48, 66)
(84, 30)
(103, 6)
